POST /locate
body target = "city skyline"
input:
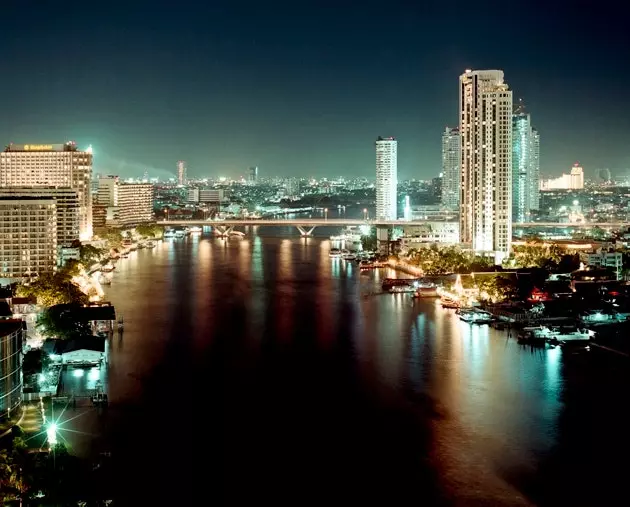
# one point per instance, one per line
(238, 107)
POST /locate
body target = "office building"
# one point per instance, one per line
(51, 165)
(252, 176)
(11, 339)
(451, 179)
(572, 181)
(204, 195)
(126, 204)
(67, 204)
(485, 107)
(386, 178)
(181, 172)
(525, 166)
(28, 236)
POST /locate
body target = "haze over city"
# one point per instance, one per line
(304, 89)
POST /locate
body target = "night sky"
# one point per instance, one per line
(304, 88)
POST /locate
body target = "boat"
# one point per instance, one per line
(169, 233)
(149, 244)
(449, 303)
(237, 234)
(180, 233)
(348, 256)
(389, 283)
(474, 316)
(104, 280)
(196, 229)
(426, 291)
(108, 268)
(334, 252)
(556, 334)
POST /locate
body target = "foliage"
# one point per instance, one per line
(150, 230)
(497, 288)
(114, 237)
(63, 321)
(53, 289)
(71, 268)
(442, 260)
(90, 255)
(535, 254)
(369, 241)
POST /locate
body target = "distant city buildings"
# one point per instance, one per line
(28, 236)
(451, 163)
(51, 165)
(202, 195)
(525, 166)
(181, 172)
(386, 178)
(124, 204)
(252, 175)
(485, 107)
(572, 181)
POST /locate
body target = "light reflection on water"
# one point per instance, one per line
(491, 406)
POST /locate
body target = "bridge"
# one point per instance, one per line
(306, 226)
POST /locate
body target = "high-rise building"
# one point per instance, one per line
(525, 166)
(451, 162)
(577, 176)
(181, 172)
(51, 165)
(572, 181)
(11, 339)
(28, 236)
(67, 203)
(126, 203)
(386, 178)
(252, 176)
(485, 107)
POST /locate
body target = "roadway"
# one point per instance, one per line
(342, 222)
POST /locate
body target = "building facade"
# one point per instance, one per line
(181, 173)
(252, 176)
(572, 181)
(28, 236)
(11, 339)
(68, 208)
(135, 203)
(525, 166)
(485, 107)
(431, 232)
(386, 178)
(51, 165)
(451, 162)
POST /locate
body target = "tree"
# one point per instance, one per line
(53, 289)
(150, 230)
(535, 254)
(64, 322)
(369, 241)
(497, 288)
(90, 254)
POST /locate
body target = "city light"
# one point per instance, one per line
(51, 434)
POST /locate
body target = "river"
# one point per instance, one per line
(261, 370)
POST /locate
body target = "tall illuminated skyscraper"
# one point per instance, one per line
(52, 165)
(386, 178)
(485, 107)
(451, 162)
(525, 166)
(181, 172)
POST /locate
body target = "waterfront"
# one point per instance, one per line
(261, 369)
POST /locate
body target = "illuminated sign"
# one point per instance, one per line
(38, 147)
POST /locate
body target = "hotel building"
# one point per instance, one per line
(525, 166)
(451, 161)
(127, 204)
(51, 165)
(485, 107)
(68, 208)
(28, 236)
(11, 338)
(386, 178)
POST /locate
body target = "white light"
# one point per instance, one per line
(51, 434)
(78, 373)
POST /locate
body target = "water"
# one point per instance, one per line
(262, 370)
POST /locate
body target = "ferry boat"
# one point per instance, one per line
(402, 289)
(449, 303)
(474, 316)
(555, 334)
(348, 256)
(196, 229)
(169, 233)
(426, 291)
(390, 283)
(334, 252)
(180, 233)
(149, 244)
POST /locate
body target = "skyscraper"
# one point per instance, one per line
(386, 178)
(253, 175)
(181, 172)
(51, 165)
(485, 107)
(525, 166)
(451, 162)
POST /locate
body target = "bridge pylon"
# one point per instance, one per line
(305, 232)
(223, 230)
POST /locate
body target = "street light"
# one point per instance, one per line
(325, 213)
(365, 215)
(51, 434)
